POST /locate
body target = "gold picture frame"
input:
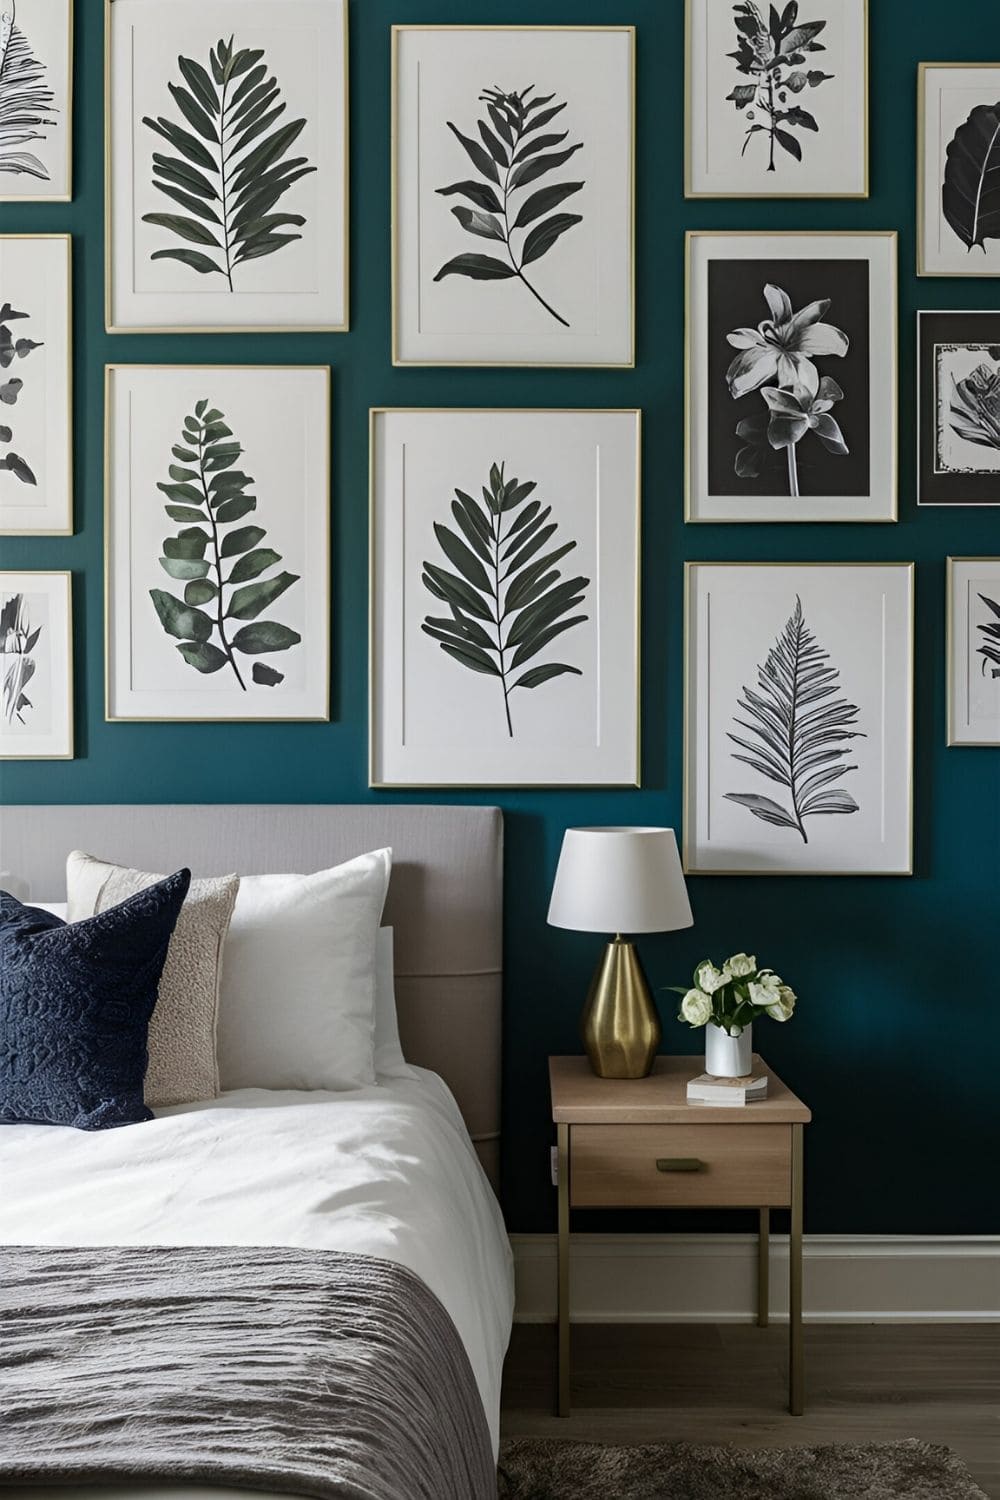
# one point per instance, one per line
(68, 529)
(689, 87)
(690, 841)
(924, 69)
(109, 322)
(325, 578)
(834, 236)
(67, 196)
(397, 31)
(952, 739)
(376, 783)
(67, 641)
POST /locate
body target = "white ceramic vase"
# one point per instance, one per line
(728, 1056)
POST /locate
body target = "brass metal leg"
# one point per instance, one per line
(564, 1366)
(795, 1370)
(763, 1267)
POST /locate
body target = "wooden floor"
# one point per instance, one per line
(864, 1383)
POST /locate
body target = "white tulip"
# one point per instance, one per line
(765, 991)
(741, 964)
(696, 1008)
(784, 1005)
(711, 979)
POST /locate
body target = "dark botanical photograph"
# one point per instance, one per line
(959, 408)
(789, 378)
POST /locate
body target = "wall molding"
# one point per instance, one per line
(691, 1278)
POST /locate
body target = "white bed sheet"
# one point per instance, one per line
(386, 1171)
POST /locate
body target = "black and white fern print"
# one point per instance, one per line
(800, 732)
(27, 103)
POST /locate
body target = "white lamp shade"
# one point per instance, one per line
(623, 880)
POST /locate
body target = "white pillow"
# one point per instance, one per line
(297, 1009)
(389, 1059)
(56, 908)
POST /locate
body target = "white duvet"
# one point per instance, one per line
(387, 1171)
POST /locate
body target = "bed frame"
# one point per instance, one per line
(445, 903)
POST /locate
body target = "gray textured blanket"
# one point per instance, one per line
(315, 1373)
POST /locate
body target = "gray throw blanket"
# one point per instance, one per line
(307, 1372)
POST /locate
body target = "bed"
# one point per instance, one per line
(396, 1175)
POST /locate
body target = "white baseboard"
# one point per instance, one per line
(690, 1278)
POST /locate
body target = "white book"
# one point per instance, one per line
(726, 1091)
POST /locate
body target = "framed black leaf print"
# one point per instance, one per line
(513, 160)
(777, 99)
(973, 649)
(36, 666)
(791, 377)
(958, 408)
(958, 168)
(227, 165)
(36, 101)
(504, 599)
(217, 542)
(798, 721)
(36, 478)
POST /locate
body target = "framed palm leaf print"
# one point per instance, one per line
(513, 195)
(799, 719)
(36, 101)
(504, 598)
(226, 124)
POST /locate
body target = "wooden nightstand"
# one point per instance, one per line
(637, 1143)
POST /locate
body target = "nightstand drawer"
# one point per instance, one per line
(650, 1166)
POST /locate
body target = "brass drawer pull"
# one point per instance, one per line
(679, 1164)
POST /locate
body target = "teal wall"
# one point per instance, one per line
(897, 1041)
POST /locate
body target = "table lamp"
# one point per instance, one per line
(620, 880)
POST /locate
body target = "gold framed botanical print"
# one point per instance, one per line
(973, 645)
(217, 567)
(958, 162)
(36, 666)
(226, 166)
(36, 101)
(513, 195)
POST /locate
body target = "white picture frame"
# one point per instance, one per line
(784, 130)
(254, 440)
(36, 666)
(36, 379)
(247, 237)
(787, 332)
(441, 712)
(36, 68)
(463, 104)
(952, 189)
(824, 647)
(973, 648)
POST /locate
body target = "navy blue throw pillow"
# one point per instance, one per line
(75, 1004)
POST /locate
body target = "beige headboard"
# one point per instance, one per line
(445, 903)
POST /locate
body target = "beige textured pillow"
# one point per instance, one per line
(182, 1049)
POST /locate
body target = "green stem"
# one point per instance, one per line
(222, 168)
(507, 233)
(218, 562)
(501, 648)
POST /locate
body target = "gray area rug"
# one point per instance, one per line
(551, 1469)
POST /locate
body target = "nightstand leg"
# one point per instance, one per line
(564, 1366)
(763, 1267)
(795, 1353)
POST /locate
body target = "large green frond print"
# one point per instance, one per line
(505, 593)
(226, 165)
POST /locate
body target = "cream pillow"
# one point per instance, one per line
(298, 989)
(182, 1063)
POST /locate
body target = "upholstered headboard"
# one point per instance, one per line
(445, 903)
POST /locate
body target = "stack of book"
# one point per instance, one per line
(733, 1091)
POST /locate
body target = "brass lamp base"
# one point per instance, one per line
(620, 1026)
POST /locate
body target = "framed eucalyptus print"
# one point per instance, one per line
(791, 376)
(799, 719)
(36, 479)
(958, 168)
(973, 651)
(36, 666)
(958, 408)
(226, 170)
(36, 101)
(217, 542)
(513, 195)
(504, 598)
(777, 99)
